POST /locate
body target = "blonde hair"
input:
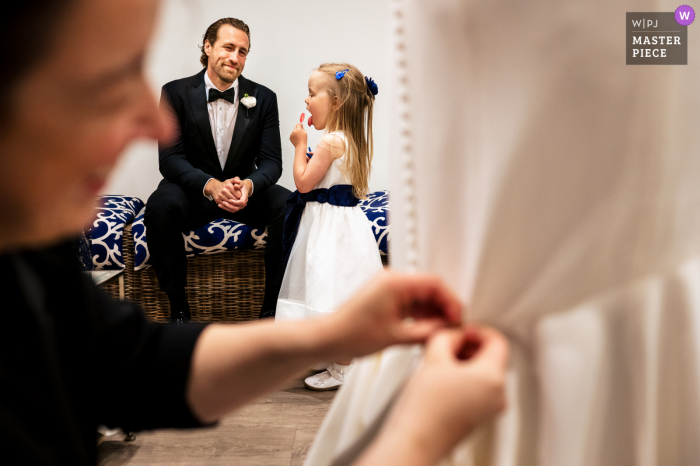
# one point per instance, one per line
(352, 114)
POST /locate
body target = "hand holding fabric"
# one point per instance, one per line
(233, 364)
(395, 309)
(459, 385)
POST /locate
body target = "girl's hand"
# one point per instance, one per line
(298, 136)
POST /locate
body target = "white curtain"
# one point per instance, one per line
(557, 189)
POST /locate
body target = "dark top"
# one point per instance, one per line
(190, 158)
(72, 359)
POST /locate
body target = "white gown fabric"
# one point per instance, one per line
(334, 254)
(558, 191)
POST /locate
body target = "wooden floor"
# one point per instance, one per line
(276, 430)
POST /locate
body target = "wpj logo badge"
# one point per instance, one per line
(659, 38)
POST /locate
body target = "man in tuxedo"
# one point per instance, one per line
(223, 162)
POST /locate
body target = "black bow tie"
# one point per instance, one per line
(215, 94)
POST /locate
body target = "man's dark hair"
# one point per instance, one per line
(213, 32)
(17, 18)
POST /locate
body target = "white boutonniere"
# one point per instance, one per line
(248, 101)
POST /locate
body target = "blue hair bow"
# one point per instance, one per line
(340, 74)
(372, 86)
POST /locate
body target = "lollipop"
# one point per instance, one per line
(301, 119)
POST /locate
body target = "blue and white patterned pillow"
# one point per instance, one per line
(376, 208)
(113, 213)
(226, 235)
(218, 236)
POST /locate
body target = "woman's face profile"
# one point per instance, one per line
(73, 113)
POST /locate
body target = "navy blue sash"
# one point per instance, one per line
(340, 195)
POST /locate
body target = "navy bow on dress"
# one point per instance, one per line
(338, 195)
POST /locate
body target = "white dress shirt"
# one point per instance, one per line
(222, 119)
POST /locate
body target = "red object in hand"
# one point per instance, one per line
(311, 120)
(301, 119)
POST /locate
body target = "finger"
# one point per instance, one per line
(418, 331)
(234, 186)
(444, 345)
(442, 297)
(238, 203)
(424, 309)
(470, 343)
(228, 195)
(493, 348)
(424, 288)
(227, 208)
(426, 295)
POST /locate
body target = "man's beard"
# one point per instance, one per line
(224, 74)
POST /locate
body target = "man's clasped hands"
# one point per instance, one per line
(230, 195)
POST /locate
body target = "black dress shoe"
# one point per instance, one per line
(179, 307)
(179, 318)
(269, 314)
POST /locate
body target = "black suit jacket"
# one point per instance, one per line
(71, 359)
(190, 159)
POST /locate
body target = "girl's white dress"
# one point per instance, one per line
(334, 254)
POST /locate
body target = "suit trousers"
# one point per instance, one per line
(171, 212)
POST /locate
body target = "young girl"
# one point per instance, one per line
(328, 241)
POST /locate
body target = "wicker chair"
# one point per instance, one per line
(225, 287)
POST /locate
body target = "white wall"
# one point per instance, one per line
(288, 40)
